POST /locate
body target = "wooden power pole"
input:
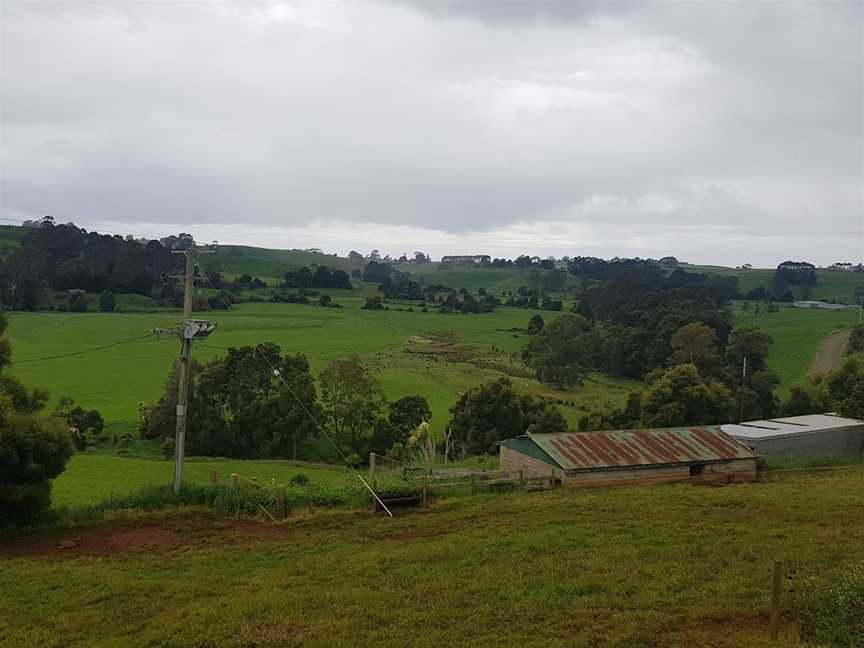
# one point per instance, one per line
(188, 331)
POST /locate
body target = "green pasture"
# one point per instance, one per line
(673, 565)
(263, 262)
(90, 478)
(797, 333)
(837, 286)
(117, 379)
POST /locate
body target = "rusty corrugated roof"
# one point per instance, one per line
(621, 448)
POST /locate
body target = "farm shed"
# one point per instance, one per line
(630, 456)
(814, 435)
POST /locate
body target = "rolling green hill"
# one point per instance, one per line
(117, 379)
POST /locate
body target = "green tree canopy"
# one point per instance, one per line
(681, 396)
(563, 351)
(353, 402)
(494, 411)
(696, 344)
(752, 342)
(239, 407)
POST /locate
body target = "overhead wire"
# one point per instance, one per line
(60, 356)
(300, 402)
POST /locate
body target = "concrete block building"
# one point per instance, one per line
(813, 436)
(631, 456)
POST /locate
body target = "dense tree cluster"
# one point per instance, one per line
(640, 309)
(400, 285)
(794, 273)
(468, 304)
(594, 268)
(562, 352)
(377, 271)
(486, 414)
(64, 257)
(239, 407)
(358, 414)
(319, 277)
(702, 386)
(534, 299)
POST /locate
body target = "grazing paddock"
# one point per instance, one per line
(675, 565)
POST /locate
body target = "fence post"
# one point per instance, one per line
(280, 502)
(775, 599)
(521, 479)
(371, 465)
(214, 476)
(425, 500)
(235, 478)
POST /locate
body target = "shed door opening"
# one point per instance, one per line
(696, 470)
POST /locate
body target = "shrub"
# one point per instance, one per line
(300, 479)
(833, 614)
(33, 451)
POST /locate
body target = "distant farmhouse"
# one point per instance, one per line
(814, 435)
(631, 456)
(845, 267)
(820, 304)
(466, 260)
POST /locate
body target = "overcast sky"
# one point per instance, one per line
(715, 132)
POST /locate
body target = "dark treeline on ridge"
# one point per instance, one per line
(66, 257)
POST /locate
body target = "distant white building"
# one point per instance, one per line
(820, 304)
(467, 259)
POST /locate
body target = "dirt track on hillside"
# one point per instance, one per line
(830, 354)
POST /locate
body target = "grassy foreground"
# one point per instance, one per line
(656, 566)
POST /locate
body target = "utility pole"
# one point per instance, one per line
(741, 391)
(183, 368)
(189, 330)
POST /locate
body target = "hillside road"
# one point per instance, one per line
(830, 354)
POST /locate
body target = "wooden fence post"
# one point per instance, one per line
(775, 599)
(521, 479)
(214, 476)
(371, 465)
(425, 500)
(280, 502)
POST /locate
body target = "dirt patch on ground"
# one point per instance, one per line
(140, 535)
(443, 344)
(93, 542)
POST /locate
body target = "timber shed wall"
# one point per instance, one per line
(736, 471)
(510, 460)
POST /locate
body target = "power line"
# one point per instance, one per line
(60, 356)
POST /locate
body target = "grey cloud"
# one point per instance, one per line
(457, 117)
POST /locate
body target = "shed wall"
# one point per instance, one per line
(839, 442)
(510, 460)
(737, 470)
